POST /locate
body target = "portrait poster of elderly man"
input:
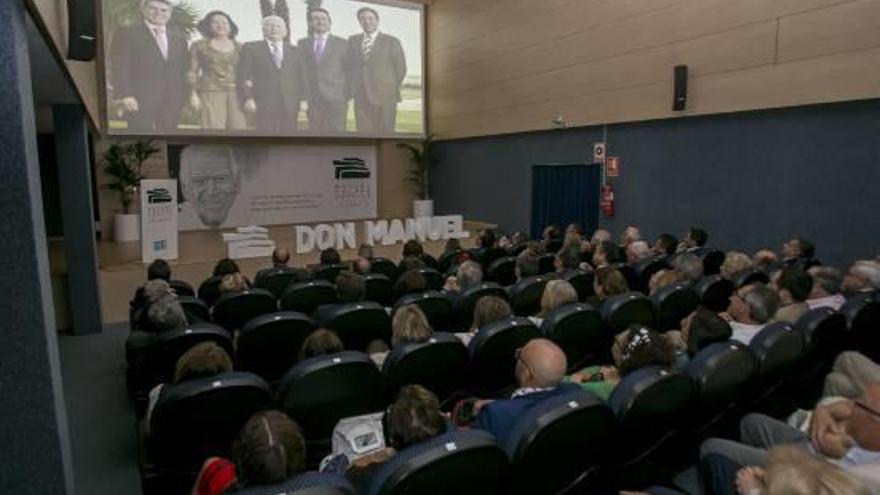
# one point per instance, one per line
(210, 180)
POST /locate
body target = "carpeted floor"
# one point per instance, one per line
(101, 419)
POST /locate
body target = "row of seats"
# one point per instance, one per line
(555, 443)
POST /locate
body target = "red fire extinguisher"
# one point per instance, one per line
(606, 202)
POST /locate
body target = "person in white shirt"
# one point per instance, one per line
(751, 307)
(825, 293)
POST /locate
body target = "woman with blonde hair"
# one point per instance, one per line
(735, 261)
(793, 471)
(487, 310)
(409, 325)
(556, 293)
(232, 283)
(661, 279)
(608, 282)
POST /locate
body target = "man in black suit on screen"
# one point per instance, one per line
(324, 57)
(271, 80)
(148, 64)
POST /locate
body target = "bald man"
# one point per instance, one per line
(540, 367)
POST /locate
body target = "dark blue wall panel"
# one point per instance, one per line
(751, 179)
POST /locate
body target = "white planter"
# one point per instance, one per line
(423, 208)
(127, 228)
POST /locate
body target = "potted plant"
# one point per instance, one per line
(419, 176)
(122, 164)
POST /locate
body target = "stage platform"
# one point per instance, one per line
(121, 269)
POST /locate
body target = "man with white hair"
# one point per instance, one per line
(827, 283)
(863, 276)
(637, 251)
(271, 78)
(148, 65)
(630, 235)
(210, 182)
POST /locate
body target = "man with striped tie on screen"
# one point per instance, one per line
(377, 69)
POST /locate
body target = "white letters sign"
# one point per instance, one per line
(384, 232)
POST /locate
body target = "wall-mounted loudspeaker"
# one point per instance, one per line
(680, 91)
(81, 30)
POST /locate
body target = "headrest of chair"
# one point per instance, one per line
(359, 307)
(511, 323)
(418, 456)
(415, 297)
(326, 361)
(312, 284)
(247, 294)
(500, 262)
(710, 358)
(564, 312)
(192, 301)
(830, 321)
(653, 263)
(749, 276)
(667, 291)
(714, 292)
(855, 304)
(197, 329)
(372, 277)
(232, 379)
(309, 483)
(487, 287)
(552, 409)
(772, 333)
(666, 389)
(436, 340)
(615, 302)
(530, 283)
(279, 317)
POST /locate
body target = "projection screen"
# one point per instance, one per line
(334, 68)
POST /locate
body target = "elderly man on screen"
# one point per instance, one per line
(148, 65)
(210, 181)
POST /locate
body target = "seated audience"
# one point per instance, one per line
(751, 308)
(600, 236)
(734, 262)
(163, 311)
(825, 293)
(411, 263)
(567, 258)
(789, 471)
(408, 326)
(452, 246)
(633, 349)
(362, 266)
(485, 242)
(608, 282)
(487, 310)
(630, 235)
(540, 368)
(851, 375)
(280, 259)
(665, 245)
(694, 240)
(268, 450)
(158, 270)
(320, 342)
(527, 265)
(232, 283)
(412, 247)
(552, 233)
(863, 276)
(535, 248)
(572, 240)
(366, 251)
(637, 251)
(415, 417)
(517, 239)
(661, 279)
(350, 287)
(689, 266)
(330, 256)
(794, 287)
(225, 267)
(557, 293)
(764, 259)
(798, 252)
(604, 254)
(575, 228)
(409, 282)
(845, 432)
(699, 329)
(469, 274)
(202, 360)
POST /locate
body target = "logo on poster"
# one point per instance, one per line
(352, 186)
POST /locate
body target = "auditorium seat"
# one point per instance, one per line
(671, 304)
(553, 246)
(268, 345)
(309, 483)
(359, 323)
(196, 310)
(466, 462)
(630, 274)
(306, 296)
(320, 391)
(622, 310)
(276, 280)
(492, 353)
(502, 271)
(546, 263)
(447, 261)
(578, 329)
(379, 289)
(722, 373)
(429, 261)
(383, 266)
(650, 405)
(233, 310)
(209, 290)
(182, 288)
(440, 365)
(433, 279)
(490, 256)
(714, 292)
(646, 268)
(749, 276)
(169, 346)
(525, 295)
(825, 335)
(555, 442)
(329, 272)
(436, 306)
(712, 261)
(581, 281)
(516, 250)
(200, 418)
(777, 349)
(862, 313)
(463, 304)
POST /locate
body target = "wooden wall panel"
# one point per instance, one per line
(605, 61)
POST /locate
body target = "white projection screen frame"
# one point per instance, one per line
(141, 75)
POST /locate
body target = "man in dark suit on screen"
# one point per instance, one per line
(148, 64)
(270, 78)
(324, 62)
(377, 68)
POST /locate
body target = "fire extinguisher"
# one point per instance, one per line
(607, 200)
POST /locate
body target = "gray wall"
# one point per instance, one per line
(751, 179)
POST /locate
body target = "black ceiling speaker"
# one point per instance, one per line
(680, 91)
(81, 30)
